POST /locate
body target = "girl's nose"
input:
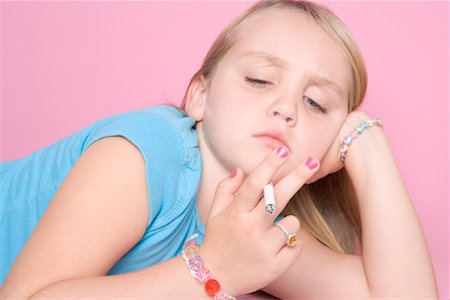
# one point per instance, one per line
(285, 112)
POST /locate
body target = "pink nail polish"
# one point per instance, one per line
(282, 152)
(234, 173)
(311, 163)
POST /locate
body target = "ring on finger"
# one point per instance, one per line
(291, 238)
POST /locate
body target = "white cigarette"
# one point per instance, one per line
(269, 199)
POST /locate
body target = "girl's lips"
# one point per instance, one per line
(271, 142)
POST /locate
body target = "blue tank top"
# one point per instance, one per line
(168, 142)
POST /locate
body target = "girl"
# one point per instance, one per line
(108, 211)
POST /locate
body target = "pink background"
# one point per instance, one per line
(66, 64)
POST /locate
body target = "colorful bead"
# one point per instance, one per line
(359, 129)
(365, 125)
(212, 286)
(379, 122)
(221, 295)
(190, 243)
(190, 251)
(348, 140)
(203, 275)
(343, 148)
(196, 262)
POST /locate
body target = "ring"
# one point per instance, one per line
(291, 238)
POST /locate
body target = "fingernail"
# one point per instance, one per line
(234, 173)
(282, 152)
(311, 163)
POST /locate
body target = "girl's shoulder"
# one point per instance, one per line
(159, 132)
(154, 124)
(168, 142)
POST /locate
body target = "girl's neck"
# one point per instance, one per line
(212, 173)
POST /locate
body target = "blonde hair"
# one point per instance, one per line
(327, 208)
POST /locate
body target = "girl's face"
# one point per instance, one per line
(284, 82)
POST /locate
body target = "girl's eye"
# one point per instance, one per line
(257, 82)
(315, 105)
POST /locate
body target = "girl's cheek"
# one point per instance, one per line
(320, 148)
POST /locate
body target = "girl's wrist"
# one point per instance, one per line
(200, 263)
(354, 135)
(367, 153)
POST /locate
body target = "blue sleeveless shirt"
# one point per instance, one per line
(168, 142)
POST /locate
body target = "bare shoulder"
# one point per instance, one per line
(320, 272)
(99, 212)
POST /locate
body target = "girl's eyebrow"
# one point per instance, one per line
(270, 58)
(281, 63)
(323, 81)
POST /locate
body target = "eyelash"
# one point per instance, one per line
(315, 105)
(259, 83)
(256, 82)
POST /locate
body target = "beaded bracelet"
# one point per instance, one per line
(195, 264)
(348, 140)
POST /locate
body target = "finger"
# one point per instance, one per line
(225, 192)
(330, 163)
(280, 239)
(287, 255)
(286, 188)
(318, 175)
(250, 191)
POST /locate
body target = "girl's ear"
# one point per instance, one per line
(196, 98)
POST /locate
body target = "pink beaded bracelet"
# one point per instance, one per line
(348, 140)
(195, 264)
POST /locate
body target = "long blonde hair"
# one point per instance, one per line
(327, 208)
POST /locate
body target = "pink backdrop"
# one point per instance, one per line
(66, 64)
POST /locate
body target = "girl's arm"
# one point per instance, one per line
(99, 213)
(395, 253)
(395, 260)
(167, 280)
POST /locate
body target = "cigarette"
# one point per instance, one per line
(269, 199)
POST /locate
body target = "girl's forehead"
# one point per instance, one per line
(284, 33)
(288, 39)
(267, 20)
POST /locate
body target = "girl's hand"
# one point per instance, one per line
(331, 163)
(242, 247)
